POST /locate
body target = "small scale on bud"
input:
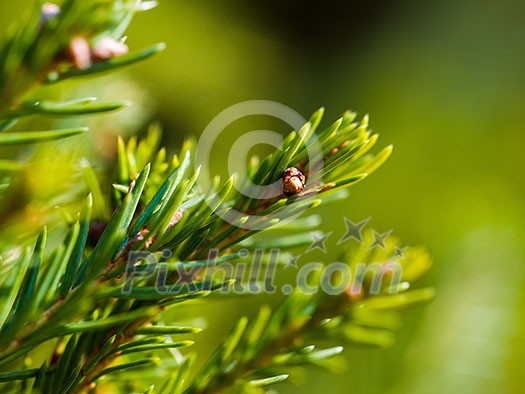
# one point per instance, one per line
(176, 217)
(293, 181)
(49, 11)
(108, 48)
(80, 52)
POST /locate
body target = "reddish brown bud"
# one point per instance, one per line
(95, 231)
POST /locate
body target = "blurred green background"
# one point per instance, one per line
(445, 83)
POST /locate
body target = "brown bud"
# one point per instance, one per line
(293, 181)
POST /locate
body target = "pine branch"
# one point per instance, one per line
(93, 285)
(67, 39)
(97, 306)
(57, 42)
(257, 353)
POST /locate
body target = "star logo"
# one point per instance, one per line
(353, 230)
(379, 239)
(400, 252)
(319, 240)
(292, 261)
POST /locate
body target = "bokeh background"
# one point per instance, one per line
(444, 81)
